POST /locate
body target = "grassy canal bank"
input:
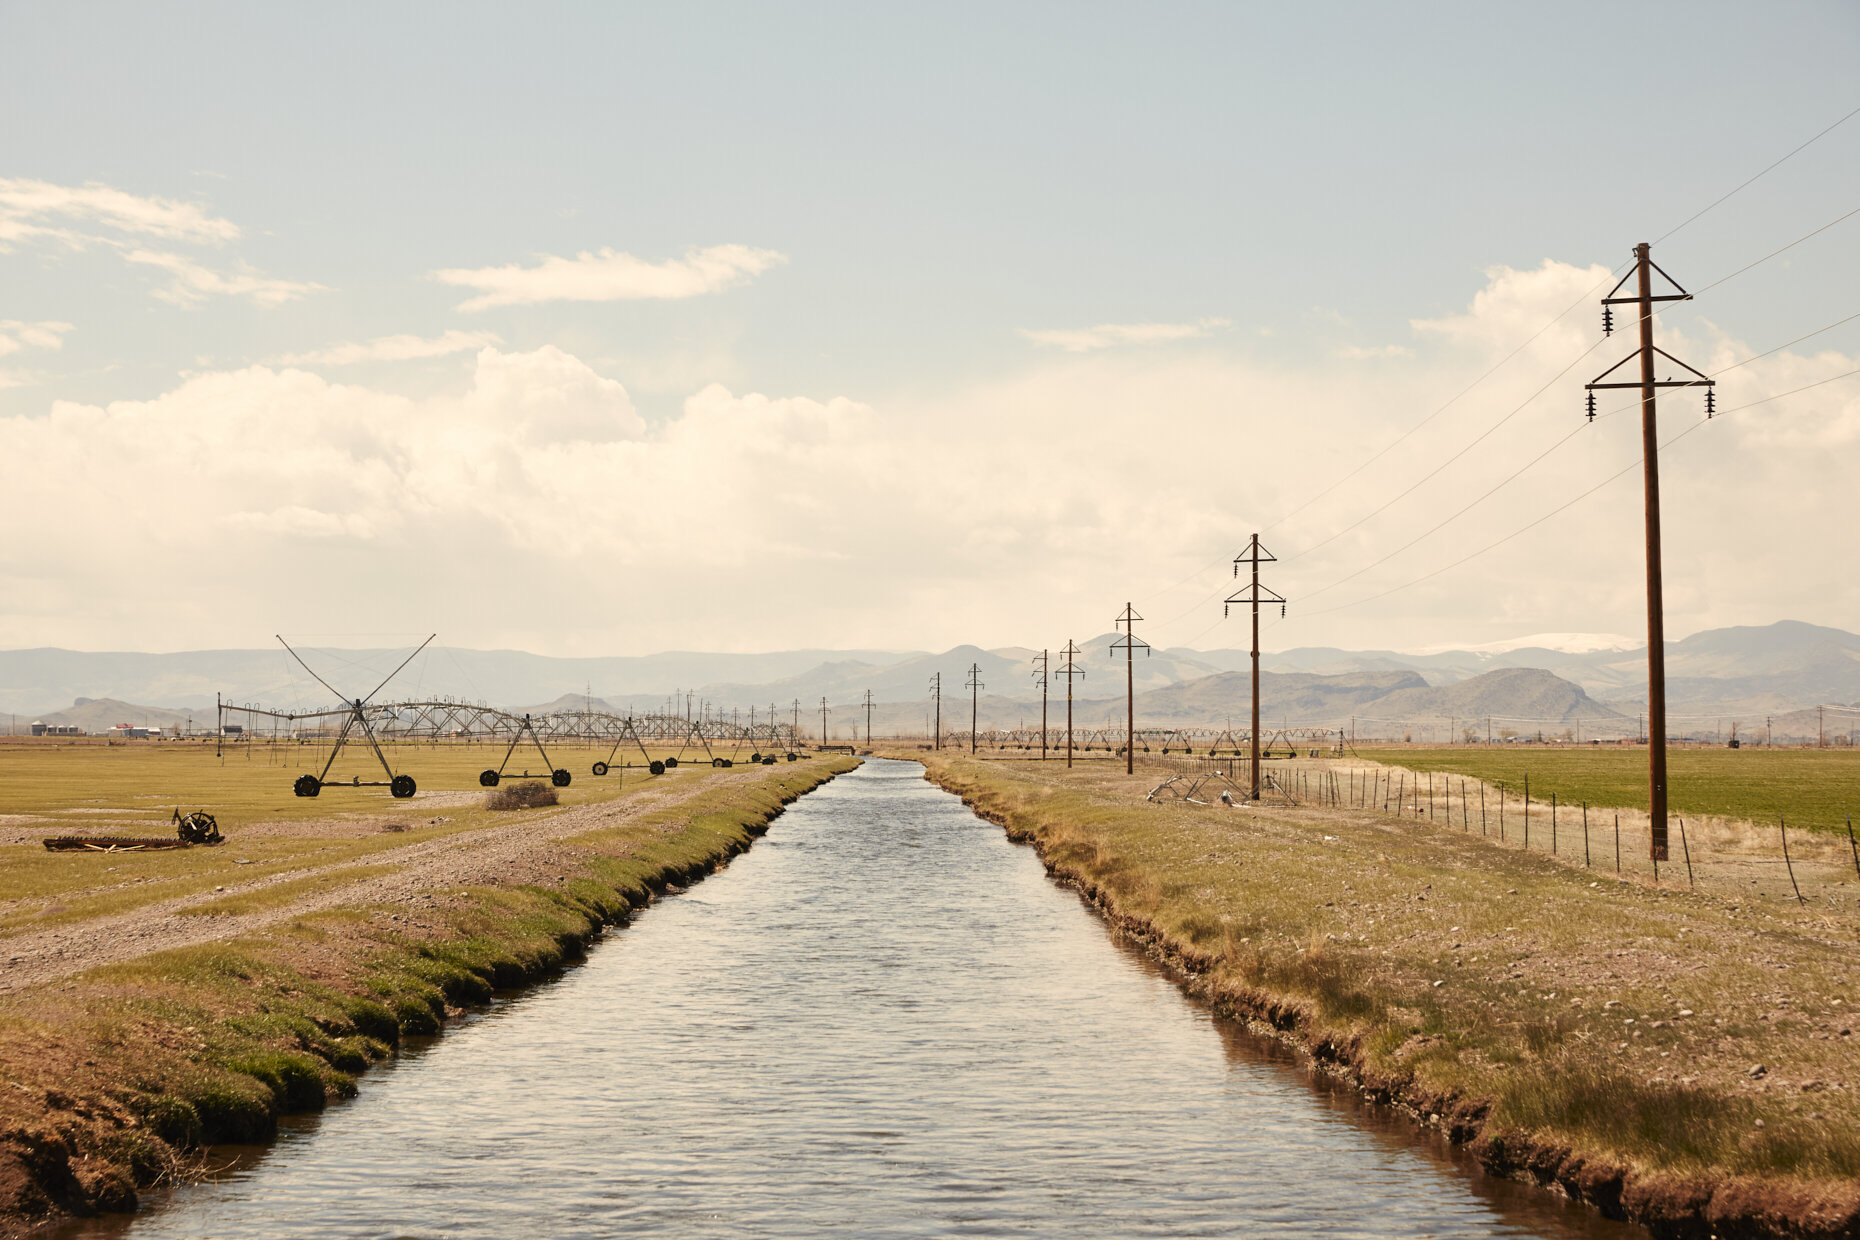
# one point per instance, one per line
(152, 1005)
(1683, 1060)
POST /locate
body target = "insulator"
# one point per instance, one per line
(1711, 402)
(1226, 611)
(1281, 611)
(1608, 320)
(1591, 406)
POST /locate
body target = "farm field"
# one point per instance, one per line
(1815, 789)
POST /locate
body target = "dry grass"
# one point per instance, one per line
(116, 1077)
(1603, 1014)
(527, 794)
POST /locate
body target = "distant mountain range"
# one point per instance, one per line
(1747, 674)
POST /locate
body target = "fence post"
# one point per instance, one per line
(1852, 845)
(1781, 822)
(1527, 811)
(1585, 835)
(1482, 807)
(1688, 851)
(1617, 842)
(1553, 824)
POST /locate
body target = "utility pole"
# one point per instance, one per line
(936, 691)
(797, 721)
(1071, 671)
(975, 686)
(1045, 660)
(823, 721)
(1129, 643)
(1643, 300)
(868, 717)
(1821, 735)
(1254, 555)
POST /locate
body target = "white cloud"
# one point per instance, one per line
(27, 209)
(611, 276)
(401, 348)
(537, 509)
(1105, 335)
(16, 336)
(1365, 353)
(92, 214)
(194, 283)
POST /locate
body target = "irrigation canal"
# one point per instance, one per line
(884, 1020)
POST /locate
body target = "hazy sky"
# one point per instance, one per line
(590, 329)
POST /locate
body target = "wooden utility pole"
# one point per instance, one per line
(936, 691)
(1070, 670)
(1044, 675)
(975, 687)
(1643, 300)
(1130, 643)
(868, 717)
(823, 721)
(1254, 555)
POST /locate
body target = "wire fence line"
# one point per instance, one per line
(1722, 855)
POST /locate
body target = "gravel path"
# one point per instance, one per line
(523, 850)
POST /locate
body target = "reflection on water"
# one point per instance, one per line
(882, 1021)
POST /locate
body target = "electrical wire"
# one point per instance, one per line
(1412, 430)
(1580, 427)
(1765, 172)
(1574, 501)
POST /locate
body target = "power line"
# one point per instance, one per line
(1528, 465)
(1568, 504)
(1715, 203)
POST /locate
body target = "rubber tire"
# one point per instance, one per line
(794, 757)
(755, 758)
(717, 762)
(307, 786)
(671, 763)
(560, 777)
(600, 768)
(657, 767)
(487, 779)
(402, 787)
(769, 761)
(727, 762)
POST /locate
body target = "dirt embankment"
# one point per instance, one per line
(1676, 1062)
(132, 1042)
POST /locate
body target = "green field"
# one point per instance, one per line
(1816, 789)
(252, 782)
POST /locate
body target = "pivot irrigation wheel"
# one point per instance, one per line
(307, 786)
(560, 777)
(657, 767)
(487, 779)
(717, 762)
(402, 787)
(769, 760)
(755, 757)
(600, 768)
(794, 757)
(727, 762)
(199, 828)
(670, 763)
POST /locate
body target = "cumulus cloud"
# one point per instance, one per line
(609, 275)
(403, 348)
(1105, 335)
(88, 215)
(534, 507)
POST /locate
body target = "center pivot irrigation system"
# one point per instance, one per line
(354, 715)
(438, 721)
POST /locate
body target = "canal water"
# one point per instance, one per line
(882, 1021)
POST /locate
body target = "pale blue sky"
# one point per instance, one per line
(1301, 180)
